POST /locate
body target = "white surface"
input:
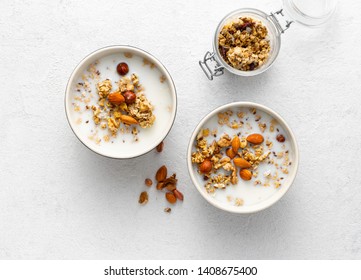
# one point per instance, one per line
(60, 200)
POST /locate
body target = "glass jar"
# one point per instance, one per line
(306, 12)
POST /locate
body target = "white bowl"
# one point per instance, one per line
(161, 95)
(270, 196)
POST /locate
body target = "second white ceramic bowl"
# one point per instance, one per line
(269, 200)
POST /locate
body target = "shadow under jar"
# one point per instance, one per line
(310, 13)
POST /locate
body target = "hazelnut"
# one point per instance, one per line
(129, 97)
(280, 138)
(122, 68)
(148, 182)
(205, 166)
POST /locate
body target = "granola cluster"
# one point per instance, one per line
(219, 158)
(216, 155)
(119, 109)
(243, 43)
(116, 116)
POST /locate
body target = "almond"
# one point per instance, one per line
(160, 147)
(205, 166)
(143, 198)
(171, 197)
(230, 153)
(178, 195)
(245, 174)
(255, 139)
(116, 98)
(161, 174)
(128, 119)
(236, 143)
(242, 163)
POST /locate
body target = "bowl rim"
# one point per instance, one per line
(149, 56)
(231, 69)
(281, 192)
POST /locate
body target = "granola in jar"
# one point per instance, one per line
(243, 43)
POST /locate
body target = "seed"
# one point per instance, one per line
(167, 210)
(280, 138)
(178, 195)
(148, 182)
(170, 197)
(160, 147)
(122, 68)
(143, 198)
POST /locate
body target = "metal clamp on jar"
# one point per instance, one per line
(310, 13)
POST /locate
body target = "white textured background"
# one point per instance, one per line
(60, 200)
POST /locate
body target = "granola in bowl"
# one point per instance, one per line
(120, 102)
(242, 157)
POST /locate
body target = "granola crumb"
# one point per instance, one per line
(239, 202)
(162, 79)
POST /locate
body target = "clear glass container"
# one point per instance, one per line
(306, 12)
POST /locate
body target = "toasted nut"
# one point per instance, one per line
(167, 210)
(116, 98)
(230, 153)
(160, 186)
(129, 97)
(243, 143)
(178, 195)
(255, 139)
(205, 166)
(143, 198)
(160, 147)
(236, 143)
(148, 182)
(280, 138)
(128, 120)
(242, 163)
(170, 197)
(170, 187)
(170, 183)
(122, 68)
(245, 174)
(161, 174)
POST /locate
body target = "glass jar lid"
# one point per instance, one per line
(310, 12)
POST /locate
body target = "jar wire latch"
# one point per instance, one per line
(275, 19)
(211, 71)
